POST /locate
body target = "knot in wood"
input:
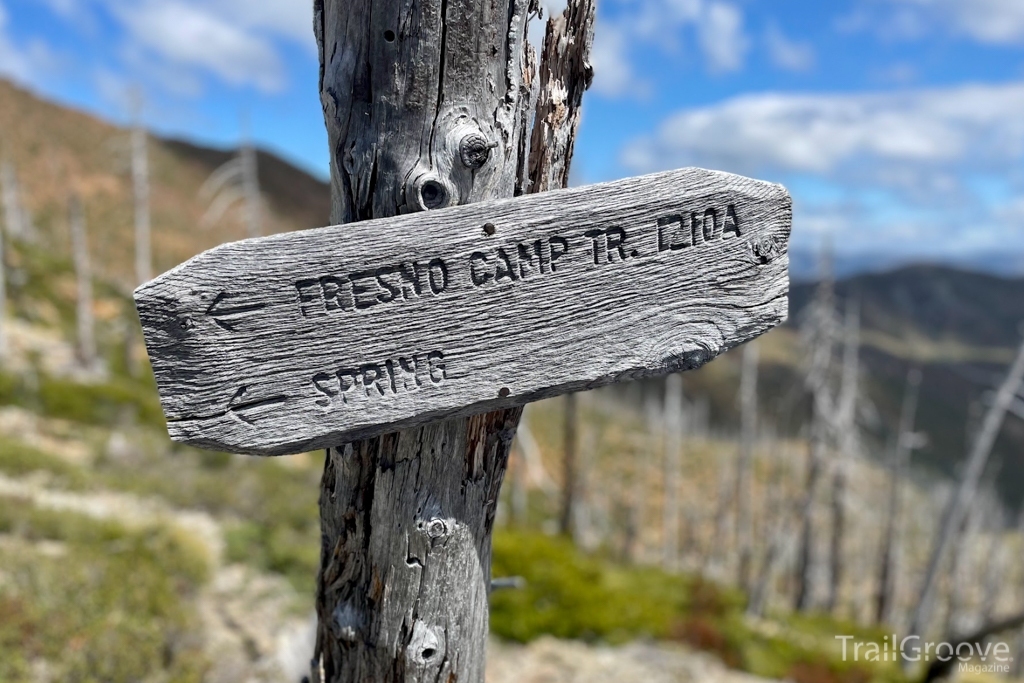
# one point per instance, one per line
(426, 644)
(437, 528)
(475, 150)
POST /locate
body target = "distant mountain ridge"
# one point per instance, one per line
(960, 326)
(962, 329)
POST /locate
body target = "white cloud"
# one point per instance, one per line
(715, 28)
(788, 54)
(996, 22)
(903, 169)
(187, 35)
(614, 75)
(722, 38)
(238, 42)
(974, 125)
(289, 19)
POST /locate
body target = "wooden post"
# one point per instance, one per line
(673, 426)
(899, 459)
(956, 510)
(748, 434)
(83, 276)
(269, 346)
(426, 106)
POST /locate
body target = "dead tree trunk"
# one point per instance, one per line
(570, 485)
(251, 190)
(426, 106)
(897, 466)
(846, 429)
(140, 191)
(953, 518)
(639, 481)
(777, 510)
(83, 276)
(819, 333)
(744, 463)
(14, 222)
(3, 296)
(941, 668)
(673, 425)
(518, 495)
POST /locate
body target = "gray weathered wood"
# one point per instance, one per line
(567, 517)
(83, 276)
(251, 190)
(14, 213)
(302, 340)
(819, 335)
(672, 472)
(3, 295)
(140, 195)
(847, 441)
(426, 105)
(744, 464)
(960, 503)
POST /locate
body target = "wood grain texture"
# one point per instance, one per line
(566, 75)
(426, 105)
(309, 339)
(407, 556)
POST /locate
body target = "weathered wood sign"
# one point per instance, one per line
(307, 340)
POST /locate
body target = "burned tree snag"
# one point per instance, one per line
(426, 106)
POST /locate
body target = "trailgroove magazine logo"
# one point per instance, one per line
(994, 657)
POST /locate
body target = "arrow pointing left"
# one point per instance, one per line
(226, 316)
(239, 409)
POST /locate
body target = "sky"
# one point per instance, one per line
(897, 125)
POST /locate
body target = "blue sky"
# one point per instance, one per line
(898, 125)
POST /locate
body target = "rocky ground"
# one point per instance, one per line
(549, 660)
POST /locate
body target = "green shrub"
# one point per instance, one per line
(572, 595)
(110, 604)
(17, 459)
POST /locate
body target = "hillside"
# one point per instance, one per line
(222, 550)
(56, 150)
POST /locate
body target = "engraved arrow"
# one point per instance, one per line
(238, 409)
(220, 312)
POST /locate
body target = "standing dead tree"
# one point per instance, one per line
(744, 463)
(845, 429)
(426, 106)
(778, 509)
(236, 181)
(960, 503)
(83, 277)
(567, 517)
(17, 220)
(3, 294)
(819, 333)
(673, 426)
(140, 194)
(898, 461)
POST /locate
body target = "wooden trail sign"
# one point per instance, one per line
(306, 340)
